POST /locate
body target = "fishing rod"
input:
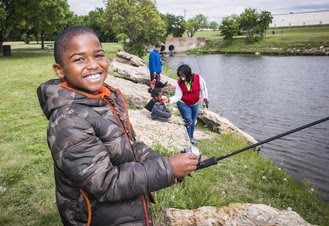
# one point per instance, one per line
(214, 160)
(201, 73)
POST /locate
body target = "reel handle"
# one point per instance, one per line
(206, 163)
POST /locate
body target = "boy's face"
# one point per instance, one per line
(84, 64)
(159, 97)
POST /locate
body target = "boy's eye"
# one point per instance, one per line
(99, 55)
(78, 60)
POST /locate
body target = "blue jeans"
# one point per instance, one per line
(189, 112)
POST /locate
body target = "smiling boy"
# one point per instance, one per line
(103, 175)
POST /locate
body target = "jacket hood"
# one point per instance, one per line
(53, 96)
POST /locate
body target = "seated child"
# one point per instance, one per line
(159, 110)
(103, 175)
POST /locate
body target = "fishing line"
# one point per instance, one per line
(214, 160)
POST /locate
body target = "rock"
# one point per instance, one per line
(135, 74)
(151, 132)
(221, 124)
(136, 94)
(204, 135)
(234, 214)
(127, 58)
(140, 75)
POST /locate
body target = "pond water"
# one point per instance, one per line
(268, 95)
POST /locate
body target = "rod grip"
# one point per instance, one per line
(206, 163)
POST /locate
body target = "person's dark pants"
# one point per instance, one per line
(189, 113)
(157, 76)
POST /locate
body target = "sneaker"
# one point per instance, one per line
(194, 141)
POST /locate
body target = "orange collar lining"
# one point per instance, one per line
(101, 92)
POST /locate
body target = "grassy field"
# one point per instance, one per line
(27, 193)
(313, 40)
(19, 47)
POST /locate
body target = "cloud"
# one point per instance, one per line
(84, 7)
(214, 9)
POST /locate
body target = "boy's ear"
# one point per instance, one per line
(58, 70)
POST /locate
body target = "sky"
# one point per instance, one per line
(214, 10)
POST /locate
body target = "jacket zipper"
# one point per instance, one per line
(127, 137)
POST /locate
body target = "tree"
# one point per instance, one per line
(196, 23)
(139, 20)
(50, 18)
(73, 19)
(95, 21)
(265, 18)
(248, 21)
(175, 25)
(229, 28)
(213, 25)
(202, 20)
(192, 26)
(254, 23)
(12, 14)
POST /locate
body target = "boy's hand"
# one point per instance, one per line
(165, 99)
(183, 164)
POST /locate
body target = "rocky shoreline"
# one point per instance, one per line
(132, 78)
(130, 74)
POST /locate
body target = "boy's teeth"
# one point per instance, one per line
(93, 77)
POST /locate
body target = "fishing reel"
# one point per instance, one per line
(194, 150)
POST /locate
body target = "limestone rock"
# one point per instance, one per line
(127, 58)
(221, 124)
(169, 135)
(135, 69)
(141, 75)
(132, 73)
(234, 214)
(136, 94)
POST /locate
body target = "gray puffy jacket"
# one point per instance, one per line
(103, 176)
(160, 112)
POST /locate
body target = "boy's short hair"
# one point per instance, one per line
(64, 38)
(155, 92)
(157, 45)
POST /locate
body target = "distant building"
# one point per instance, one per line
(300, 19)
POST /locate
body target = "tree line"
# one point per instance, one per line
(251, 23)
(137, 23)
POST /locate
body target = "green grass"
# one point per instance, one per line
(301, 38)
(27, 192)
(110, 48)
(208, 34)
(244, 178)
(26, 170)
